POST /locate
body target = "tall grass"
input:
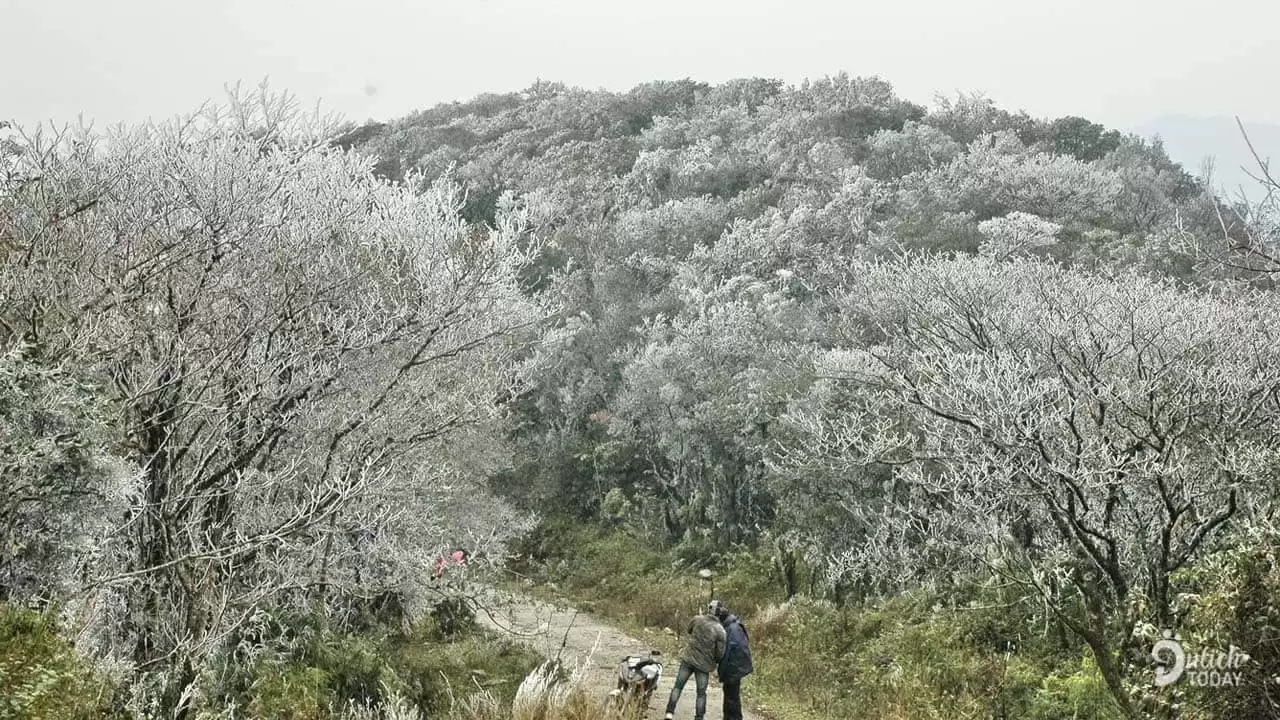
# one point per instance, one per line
(555, 690)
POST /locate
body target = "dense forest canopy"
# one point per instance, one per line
(896, 337)
(255, 357)
(665, 199)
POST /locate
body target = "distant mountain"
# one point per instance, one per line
(1190, 140)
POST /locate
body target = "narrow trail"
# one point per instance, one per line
(568, 633)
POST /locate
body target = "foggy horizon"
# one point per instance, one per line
(143, 58)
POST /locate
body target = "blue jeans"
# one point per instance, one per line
(682, 677)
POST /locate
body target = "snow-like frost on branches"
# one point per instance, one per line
(1016, 233)
(307, 363)
(1007, 388)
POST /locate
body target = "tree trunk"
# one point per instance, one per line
(1111, 674)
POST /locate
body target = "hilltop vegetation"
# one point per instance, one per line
(912, 347)
(889, 362)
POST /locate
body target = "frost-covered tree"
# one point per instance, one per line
(752, 176)
(1016, 233)
(914, 148)
(998, 174)
(62, 488)
(1084, 436)
(972, 115)
(303, 358)
(1251, 228)
(698, 399)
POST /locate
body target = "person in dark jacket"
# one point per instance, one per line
(736, 663)
(703, 652)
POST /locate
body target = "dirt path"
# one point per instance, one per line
(568, 633)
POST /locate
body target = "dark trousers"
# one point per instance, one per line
(732, 699)
(682, 677)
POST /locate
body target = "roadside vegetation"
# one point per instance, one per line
(969, 649)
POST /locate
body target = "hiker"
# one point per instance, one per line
(702, 653)
(736, 663)
(457, 557)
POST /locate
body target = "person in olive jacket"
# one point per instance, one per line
(702, 653)
(736, 663)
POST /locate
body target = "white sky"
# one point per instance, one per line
(1119, 62)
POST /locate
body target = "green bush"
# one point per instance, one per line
(1232, 597)
(42, 678)
(908, 657)
(353, 665)
(294, 665)
(434, 673)
(290, 692)
(1066, 695)
(644, 586)
(306, 671)
(747, 580)
(452, 617)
